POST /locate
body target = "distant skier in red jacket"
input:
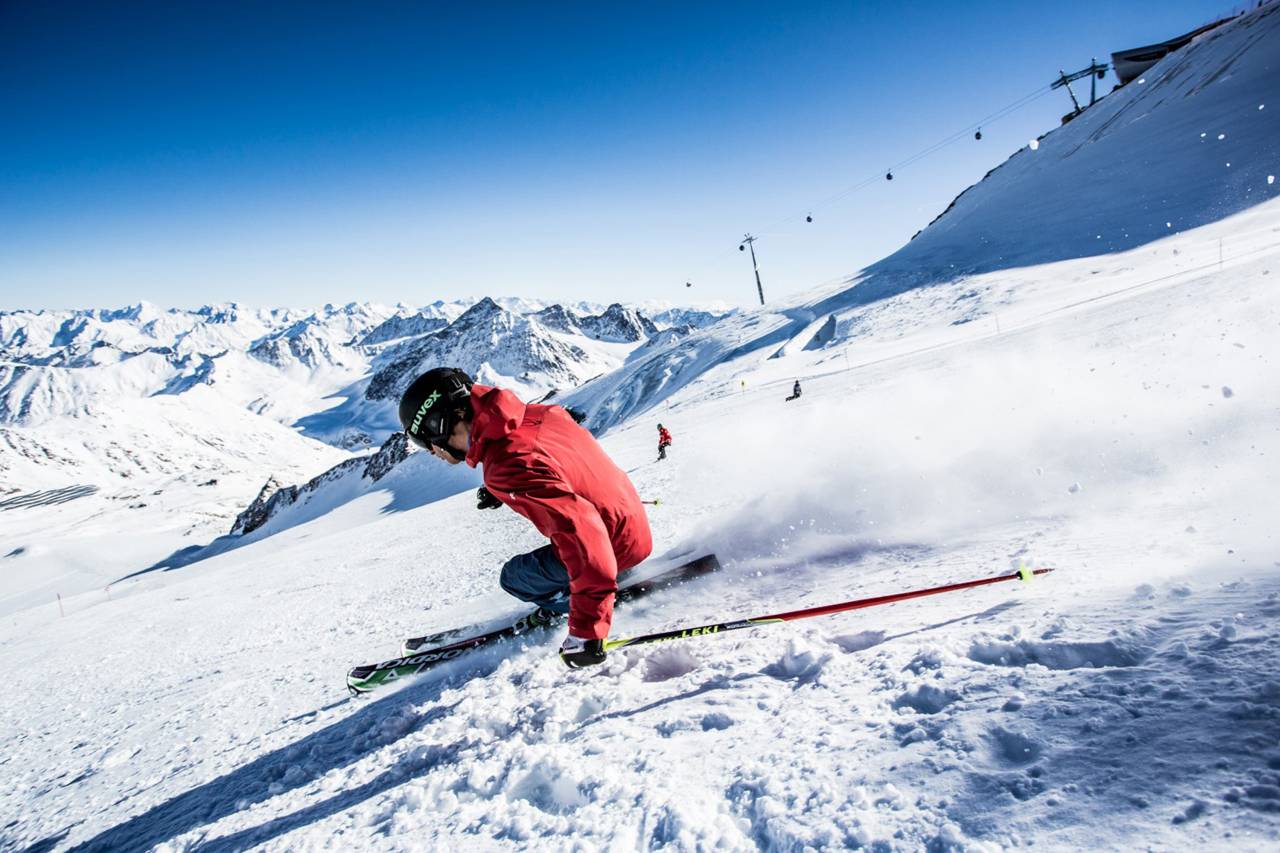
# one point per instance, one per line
(664, 441)
(539, 462)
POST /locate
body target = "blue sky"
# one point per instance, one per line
(296, 154)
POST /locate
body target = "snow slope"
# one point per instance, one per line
(1114, 416)
(1128, 700)
(1195, 140)
(154, 476)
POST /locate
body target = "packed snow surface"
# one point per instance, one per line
(1112, 415)
(1130, 698)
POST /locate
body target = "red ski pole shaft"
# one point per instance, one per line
(825, 610)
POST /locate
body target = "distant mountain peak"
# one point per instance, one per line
(559, 318)
(618, 324)
(484, 306)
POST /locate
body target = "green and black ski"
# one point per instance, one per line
(422, 653)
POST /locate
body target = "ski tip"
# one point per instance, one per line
(362, 680)
(705, 563)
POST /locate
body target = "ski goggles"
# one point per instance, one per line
(432, 429)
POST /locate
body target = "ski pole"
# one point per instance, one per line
(1023, 574)
(654, 502)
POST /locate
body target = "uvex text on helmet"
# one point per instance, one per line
(431, 405)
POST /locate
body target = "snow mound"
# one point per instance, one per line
(1060, 655)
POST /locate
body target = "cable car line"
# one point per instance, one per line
(975, 129)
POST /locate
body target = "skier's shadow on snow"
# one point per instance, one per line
(342, 743)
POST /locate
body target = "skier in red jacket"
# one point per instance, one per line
(539, 462)
(664, 441)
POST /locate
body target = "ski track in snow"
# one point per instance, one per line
(48, 497)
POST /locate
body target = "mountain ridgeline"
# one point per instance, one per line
(111, 398)
(552, 349)
(284, 363)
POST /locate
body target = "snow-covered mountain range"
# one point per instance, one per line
(1013, 387)
(54, 363)
(197, 409)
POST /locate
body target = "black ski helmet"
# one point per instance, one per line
(432, 404)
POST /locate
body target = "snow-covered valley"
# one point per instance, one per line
(1113, 414)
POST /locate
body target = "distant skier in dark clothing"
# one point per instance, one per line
(795, 392)
(664, 441)
(544, 466)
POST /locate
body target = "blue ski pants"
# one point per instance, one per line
(539, 578)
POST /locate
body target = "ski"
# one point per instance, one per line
(423, 653)
(540, 618)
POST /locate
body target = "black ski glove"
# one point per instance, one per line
(578, 653)
(486, 500)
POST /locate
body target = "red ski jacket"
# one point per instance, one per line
(539, 462)
(664, 438)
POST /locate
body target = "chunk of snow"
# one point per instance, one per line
(859, 641)
(1193, 811)
(926, 699)
(1227, 392)
(1073, 488)
(1033, 144)
(1115, 652)
(801, 662)
(716, 721)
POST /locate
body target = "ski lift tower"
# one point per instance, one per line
(749, 241)
(1094, 72)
